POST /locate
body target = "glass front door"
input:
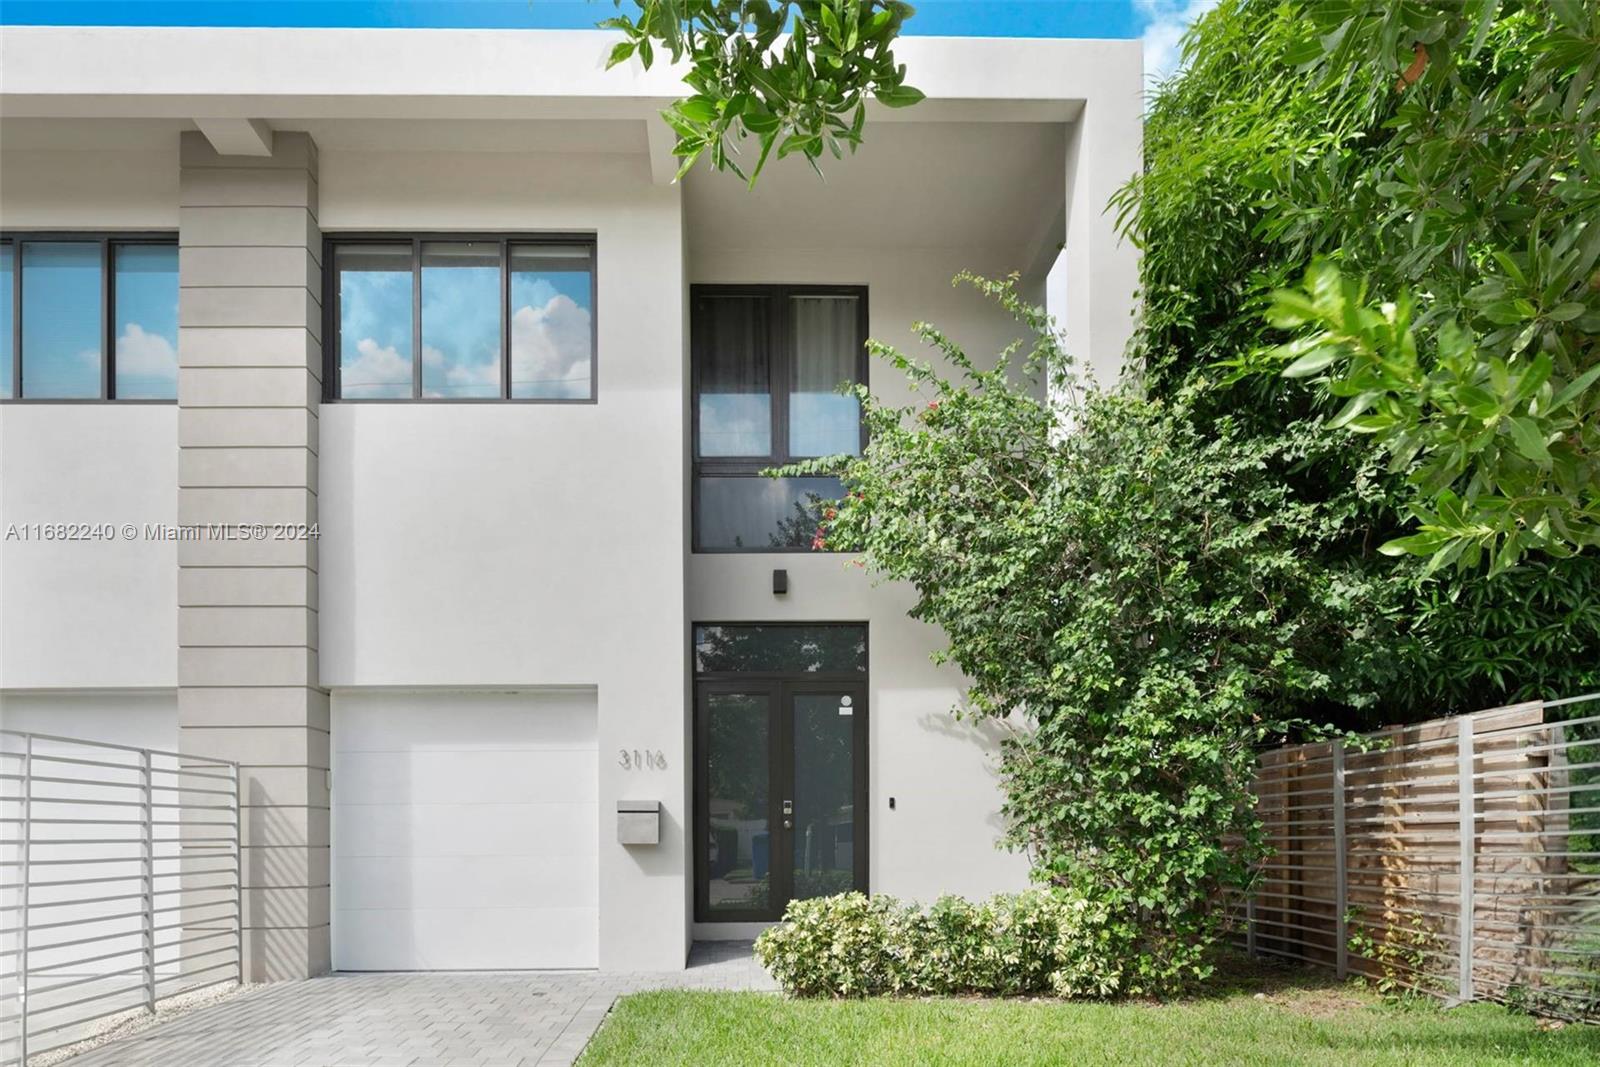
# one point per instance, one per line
(780, 792)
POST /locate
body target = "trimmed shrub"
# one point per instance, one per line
(1039, 942)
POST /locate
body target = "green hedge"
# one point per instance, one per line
(1037, 942)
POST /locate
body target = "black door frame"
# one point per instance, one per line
(779, 690)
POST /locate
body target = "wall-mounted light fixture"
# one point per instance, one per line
(780, 582)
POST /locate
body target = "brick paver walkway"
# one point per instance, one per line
(429, 1020)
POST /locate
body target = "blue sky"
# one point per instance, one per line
(1159, 22)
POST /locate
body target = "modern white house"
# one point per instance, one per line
(376, 412)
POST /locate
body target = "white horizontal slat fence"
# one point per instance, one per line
(119, 885)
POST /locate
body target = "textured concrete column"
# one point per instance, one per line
(250, 354)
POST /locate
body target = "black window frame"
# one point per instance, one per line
(415, 239)
(109, 241)
(780, 375)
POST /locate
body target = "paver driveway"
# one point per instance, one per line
(431, 1020)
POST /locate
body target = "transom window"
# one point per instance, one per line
(769, 365)
(88, 316)
(461, 318)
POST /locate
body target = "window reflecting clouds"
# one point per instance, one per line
(146, 319)
(552, 322)
(62, 324)
(475, 294)
(461, 319)
(374, 289)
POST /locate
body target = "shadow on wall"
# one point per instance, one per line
(283, 877)
(984, 735)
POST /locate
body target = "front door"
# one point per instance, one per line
(780, 793)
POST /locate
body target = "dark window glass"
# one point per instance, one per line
(374, 287)
(552, 322)
(7, 317)
(731, 344)
(146, 319)
(827, 648)
(827, 348)
(769, 366)
(756, 513)
(62, 326)
(824, 795)
(739, 841)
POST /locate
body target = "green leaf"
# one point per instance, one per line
(797, 142)
(1536, 375)
(1317, 359)
(1576, 388)
(1529, 441)
(760, 122)
(1354, 407)
(697, 109)
(1422, 544)
(1485, 18)
(830, 22)
(899, 96)
(620, 53)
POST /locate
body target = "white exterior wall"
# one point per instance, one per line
(941, 772)
(520, 545)
(132, 185)
(88, 613)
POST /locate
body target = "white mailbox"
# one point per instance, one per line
(639, 822)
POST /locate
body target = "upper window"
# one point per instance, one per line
(88, 317)
(461, 318)
(770, 364)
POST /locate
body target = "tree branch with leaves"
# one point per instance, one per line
(785, 76)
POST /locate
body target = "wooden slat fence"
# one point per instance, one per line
(1458, 857)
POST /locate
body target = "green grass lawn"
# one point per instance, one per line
(1295, 1019)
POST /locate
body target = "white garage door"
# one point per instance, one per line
(465, 831)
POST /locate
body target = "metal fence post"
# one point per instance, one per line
(1250, 923)
(1341, 890)
(147, 879)
(238, 870)
(1468, 833)
(27, 855)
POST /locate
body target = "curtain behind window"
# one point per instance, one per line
(821, 421)
(731, 353)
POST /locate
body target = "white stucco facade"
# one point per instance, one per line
(497, 555)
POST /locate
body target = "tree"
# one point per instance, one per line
(1285, 142)
(1149, 599)
(1477, 211)
(806, 95)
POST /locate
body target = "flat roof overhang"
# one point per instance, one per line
(188, 72)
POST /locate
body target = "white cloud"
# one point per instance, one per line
(1165, 23)
(550, 349)
(377, 371)
(146, 355)
(462, 378)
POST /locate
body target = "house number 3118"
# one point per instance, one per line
(635, 760)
